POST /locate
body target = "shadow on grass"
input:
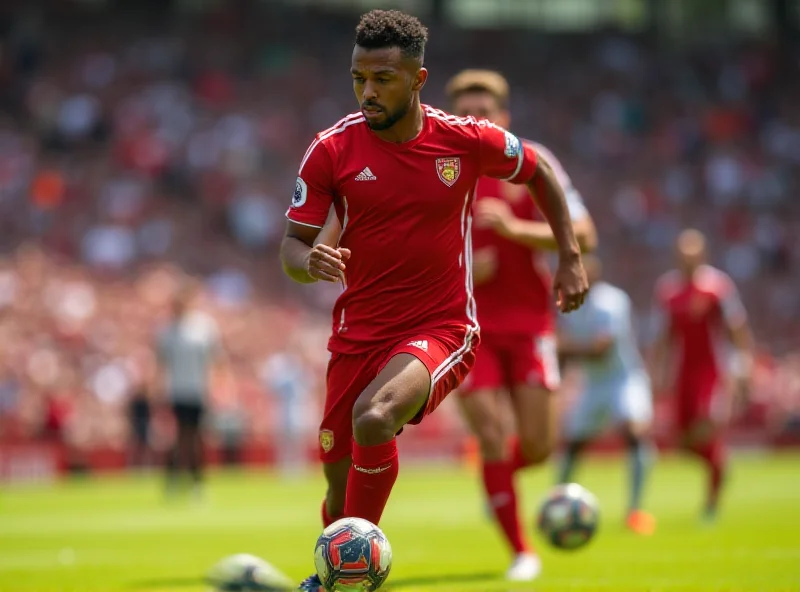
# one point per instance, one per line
(392, 585)
(450, 579)
(167, 583)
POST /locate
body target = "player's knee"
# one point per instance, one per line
(536, 450)
(492, 444)
(373, 425)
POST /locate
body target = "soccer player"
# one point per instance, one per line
(189, 352)
(517, 360)
(400, 176)
(698, 309)
(601, 340)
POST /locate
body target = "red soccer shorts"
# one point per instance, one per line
(511, 360)
(701, 398)
(448, 354)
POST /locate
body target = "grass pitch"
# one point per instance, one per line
(119, 534)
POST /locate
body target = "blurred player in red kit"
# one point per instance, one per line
(698, 309)
(517, 362)
(400, 176)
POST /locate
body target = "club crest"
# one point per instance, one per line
(448, 170)
(326, 440)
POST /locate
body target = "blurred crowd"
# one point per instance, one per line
(138, 147)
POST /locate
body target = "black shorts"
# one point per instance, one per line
(188, 414)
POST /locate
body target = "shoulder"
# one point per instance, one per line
(611, 298)
(202, 322)
(446, 123)
(668, 285)
(335, 137)
(338, 130)
(713, 280)
(555, 164)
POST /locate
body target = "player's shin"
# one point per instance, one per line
(372, 477)
(498, 481)
(641, 457)
(568, 461)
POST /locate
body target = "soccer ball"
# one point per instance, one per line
(569, 516)
(354, 555)
(247, 573)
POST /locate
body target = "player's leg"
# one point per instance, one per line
(414, 380)
(535, 419)
(176, 462)
(633, 413)
(196, 451)
(390, 401)
(483, 416)
(705, 416)
(481, 408)
(336, 476)
(582, 422)
(535, 377)
(347, 376)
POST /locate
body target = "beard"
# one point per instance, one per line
(390, 119)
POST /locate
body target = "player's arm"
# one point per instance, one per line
(330, 232)
(739, 334)
(658, 357)
(535, 234)
(539, 235)
(504, 156)
(157, 385)
(305, 253)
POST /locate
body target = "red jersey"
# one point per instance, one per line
(518, 299)
(405, 211)
(696, 313)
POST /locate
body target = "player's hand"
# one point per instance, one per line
(484, 265)
(495, 214)
(326, 263)
(570, 285)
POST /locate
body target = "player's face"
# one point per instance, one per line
(691, 250)
(385, 83)
(481, 105)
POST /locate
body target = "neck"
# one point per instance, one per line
(407, 128)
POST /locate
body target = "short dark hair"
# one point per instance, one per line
(392, 28)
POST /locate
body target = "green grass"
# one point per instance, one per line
(118, 534)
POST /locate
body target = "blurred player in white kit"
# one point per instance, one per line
(616, 387)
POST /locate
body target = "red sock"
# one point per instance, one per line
(715, 457)
(370, 481)
(518, 460)
(498, 480)
(713, 454)
(326, 519)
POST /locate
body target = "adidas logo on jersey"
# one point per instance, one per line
(423, 345)
(366, 175)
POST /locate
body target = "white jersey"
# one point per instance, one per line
(616, 386)
(605, 313)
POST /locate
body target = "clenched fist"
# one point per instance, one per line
(570, 283)
(326, 263)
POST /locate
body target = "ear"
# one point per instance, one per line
(419, 79)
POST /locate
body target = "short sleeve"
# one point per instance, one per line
(575, 205)
(313, 190)
(162, 345)
(659, 318)
(604, 324)
(731, 306)
(504, 156)
(215, 349)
